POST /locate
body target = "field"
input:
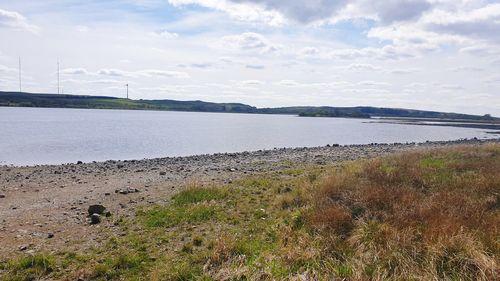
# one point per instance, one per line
(423, 215)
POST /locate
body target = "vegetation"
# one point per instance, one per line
(429, 215)
(101, 102)
(333, 113)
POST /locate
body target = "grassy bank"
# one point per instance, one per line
(415, 216)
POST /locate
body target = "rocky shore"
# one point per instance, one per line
(45, 208)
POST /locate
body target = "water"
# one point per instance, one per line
(52, 136)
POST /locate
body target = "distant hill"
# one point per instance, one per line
(102, 102)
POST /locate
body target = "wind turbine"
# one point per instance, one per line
(20, 88)
(58, 91)
(127, 89)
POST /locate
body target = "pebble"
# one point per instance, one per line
(127, 190)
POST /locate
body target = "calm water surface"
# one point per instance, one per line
(52, 136)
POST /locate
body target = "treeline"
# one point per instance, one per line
(103, 102)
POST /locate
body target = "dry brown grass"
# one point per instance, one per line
(421, 215)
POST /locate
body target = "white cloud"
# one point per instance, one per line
(6, 69)
(11, 19)
(243, 12)
(483, 22)
(251, 83)
(163, 73)
(255, 66)
(374, 84)
(201, 65)
(123, 73)
(82, 28)
(112, 72)
(309, 51)
(363, 67)
(75, 71)
(288, 83)
(166, 34)
(451, 87)
(250, 41)
(388, 52)
(495, 79)
(481, 50)
(395, 10)
(467, 69)
(276, 12)
(405, 71)
(300, 10)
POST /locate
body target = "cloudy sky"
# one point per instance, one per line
(425, 54)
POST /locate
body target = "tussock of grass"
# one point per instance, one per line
(199, 194)
(29, 267)
(172, 216)
(429, 215)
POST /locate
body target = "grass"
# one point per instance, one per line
(168, 217)
(196, 195)
(428, 215)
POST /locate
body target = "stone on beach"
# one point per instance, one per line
(96, 209)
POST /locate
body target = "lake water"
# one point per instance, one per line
(52, 136)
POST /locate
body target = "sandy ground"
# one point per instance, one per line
(44, 208)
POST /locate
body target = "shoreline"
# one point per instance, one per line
(44, 208)
(258, 152)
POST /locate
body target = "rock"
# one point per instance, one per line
(96, 209)
(23, 248)
(79, 162)
(107, 194)
(163, 173)
(95, 219)
(50, 235)
(127, 190)
(2, 195)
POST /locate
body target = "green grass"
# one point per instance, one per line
(173, 216)
(198, 194)
(29, 267)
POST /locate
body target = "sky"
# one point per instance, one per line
(424, 54)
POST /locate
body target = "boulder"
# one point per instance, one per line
(95, 219)
(96, 209)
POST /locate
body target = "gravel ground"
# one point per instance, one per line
(44, 208)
